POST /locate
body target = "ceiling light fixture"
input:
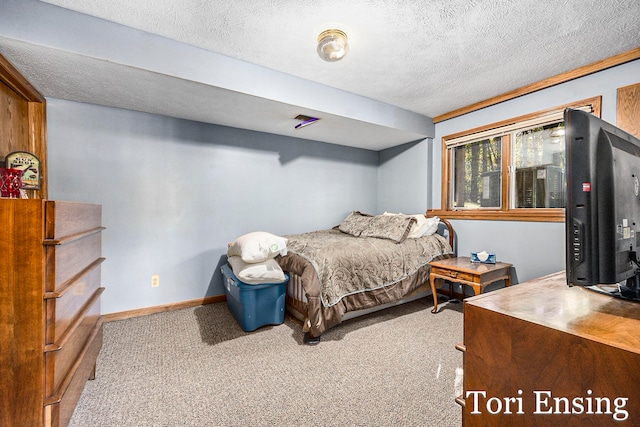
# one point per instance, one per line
(332, 45)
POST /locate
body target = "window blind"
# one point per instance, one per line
(546, 119)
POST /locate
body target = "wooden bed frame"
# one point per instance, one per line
(296, 304)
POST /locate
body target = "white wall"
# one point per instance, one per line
(405, 183)
(175, 192)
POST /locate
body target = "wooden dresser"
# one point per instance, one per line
(530, 346)
(50, 322)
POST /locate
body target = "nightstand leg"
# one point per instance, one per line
(432, 280)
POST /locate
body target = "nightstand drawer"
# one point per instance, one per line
(452, 274)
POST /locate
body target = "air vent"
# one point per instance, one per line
(305, 120)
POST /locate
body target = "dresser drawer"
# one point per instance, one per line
(64, 308)
(453, 275)
(59, 408)
(64, 219)
(61, 357)
(64, 261)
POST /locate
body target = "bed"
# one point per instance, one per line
(365, 264)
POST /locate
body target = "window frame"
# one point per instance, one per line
(506, 212)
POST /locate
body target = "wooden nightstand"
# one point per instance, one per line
(462, 270)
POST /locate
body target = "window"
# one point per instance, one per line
(539, 167)
(512, 170)
(477, 171)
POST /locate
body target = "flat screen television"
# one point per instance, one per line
(603, 206)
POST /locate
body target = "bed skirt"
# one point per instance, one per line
(296, 301)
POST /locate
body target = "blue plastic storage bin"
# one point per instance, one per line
(254, 306)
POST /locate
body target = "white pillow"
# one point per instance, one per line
(419, 227)
(258, 246)
(257, 273)
(423, 227)
(431, 226)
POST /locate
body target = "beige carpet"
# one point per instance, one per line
(196, 367)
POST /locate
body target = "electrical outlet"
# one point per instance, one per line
(155, 280)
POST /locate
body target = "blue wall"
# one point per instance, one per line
(175, 192)
(403, 178)
(535, 248)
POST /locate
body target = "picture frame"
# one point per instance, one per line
(29, 164)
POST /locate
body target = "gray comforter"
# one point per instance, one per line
(343, 273)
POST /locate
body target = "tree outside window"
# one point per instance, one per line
(477, 174)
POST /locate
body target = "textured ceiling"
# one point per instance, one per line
(427, 57)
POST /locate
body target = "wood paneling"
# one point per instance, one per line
(628, 116)
(21, 312)
(22, 120)
(14, 116)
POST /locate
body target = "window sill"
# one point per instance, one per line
(529, 215)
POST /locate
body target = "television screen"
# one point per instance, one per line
(603, 205)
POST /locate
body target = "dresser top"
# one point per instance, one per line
(550, 302)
